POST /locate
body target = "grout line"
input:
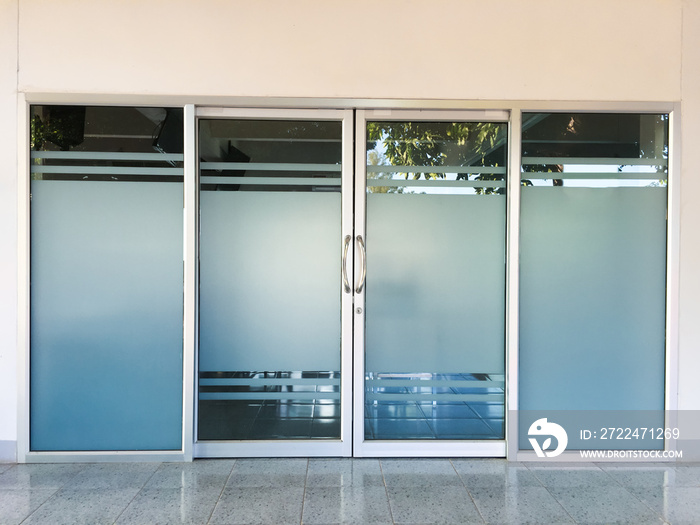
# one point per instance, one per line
(468, 492)
(222, 491)
(643, 502)
(138, 492)
(303, 495)
(386, 490)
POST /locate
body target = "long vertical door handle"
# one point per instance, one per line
(346, 283)
(363, 265)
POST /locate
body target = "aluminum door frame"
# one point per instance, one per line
(414, 448)
(297, 447)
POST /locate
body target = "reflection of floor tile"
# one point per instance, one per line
(113, 476)
(16, 505)
(603, 504)
(343, 472)
(283, 410)
(198, 475)
(38, 476)
(325, 428)
(280, 428)
(401, 428)
(642, 475)
(573, 476)
(325, 411)
(347, 504)
(170, 506)
(72, 507)
(483, 473)
(679, 505)
(268, 473)
(445, 411)
(394, 411)
(259, 505)
(225, 429)
(489, 410)
(420, 473)
(515, 505)
(432, 504)
(461, 429)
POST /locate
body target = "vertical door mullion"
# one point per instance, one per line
(358, 312)
(346, 303)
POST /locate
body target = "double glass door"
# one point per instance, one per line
(351, 283)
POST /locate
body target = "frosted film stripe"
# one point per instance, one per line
(272, 181)
(256, 383)
(420, 383)
(106, 170)
(439, 183)
(436, 169)
(268, 166)
(613, 161)
(269, 395)
(491, 398)
(593, 175)
(112, 155)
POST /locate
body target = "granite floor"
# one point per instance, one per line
(363, 491)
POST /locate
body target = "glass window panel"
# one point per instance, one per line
(592, 268)
(435, 291)
(106, 278)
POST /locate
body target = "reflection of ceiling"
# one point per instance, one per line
(608, 135)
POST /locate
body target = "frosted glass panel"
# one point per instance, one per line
(270, 284)
(592, 299)
(435, 283)
(435, 288)
(106, 336)
(269, 281)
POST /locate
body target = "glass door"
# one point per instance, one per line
(275, 208)
(430, 224)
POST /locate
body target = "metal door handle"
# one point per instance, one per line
(363, 266)
(346, 283)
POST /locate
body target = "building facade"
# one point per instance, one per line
(347, 229)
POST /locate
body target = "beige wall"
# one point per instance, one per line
(462, 49)
(587, 50)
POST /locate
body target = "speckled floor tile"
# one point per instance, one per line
(494, 473)
(343, 472)
(519, 504)
(17, 504)
(575, 476)
(679, 505)
(5, 466)
(268, 473)
(420, 472)
(113, 476)
(170, 506)
(77, 507)
(259, 505)
(432, 504)
(200, 474)
(603, 504)
(347, 505)
(39, 476)
(636, 475)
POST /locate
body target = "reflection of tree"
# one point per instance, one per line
(426, 144)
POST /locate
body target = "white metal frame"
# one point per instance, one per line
(404, 448)
(299, 447)
(382, 105)
(24, 454)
